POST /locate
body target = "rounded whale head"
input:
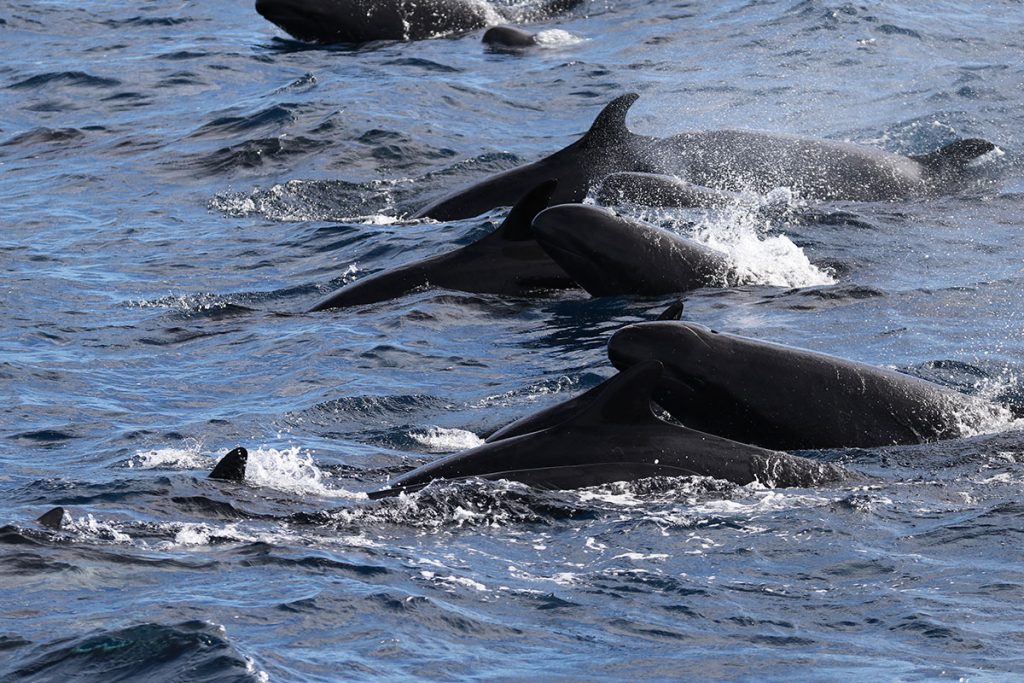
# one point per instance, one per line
(609, 254)
(685, 343)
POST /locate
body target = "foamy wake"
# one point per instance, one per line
(743, 231)
(556, 37)
(291, 470)
(284, 470)
(444, 440)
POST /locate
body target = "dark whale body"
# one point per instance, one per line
(725, 160)
(609, 254)
(510, 37)
(614, 436)
(507, 261)
(361, 21)
(781, 397)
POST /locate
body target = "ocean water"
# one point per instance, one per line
(179, 182)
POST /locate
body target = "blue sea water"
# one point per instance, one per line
(179, 181)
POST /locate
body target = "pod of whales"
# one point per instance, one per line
(507, 261)
(729, 160)
(613, 436)
(361, 21)
(609, 254)
(785, 398)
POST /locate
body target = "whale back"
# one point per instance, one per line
(608, 145)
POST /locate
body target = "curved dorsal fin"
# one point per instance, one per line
(955, 155)
(232, 466)
(610, 124)
(53, 519)
(625, 398)
(516, 226)
(673, 312)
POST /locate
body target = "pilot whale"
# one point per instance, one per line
(609, 254)
(724, 160)
(507, 261)
(614, 436)
(361, 21)
(786, 398)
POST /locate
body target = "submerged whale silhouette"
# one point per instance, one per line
(361, 21)
(786, 398)
(729, 160)
(610, 434)
(507, 261)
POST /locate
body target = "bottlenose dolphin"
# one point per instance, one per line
(609, 254)
(615, 437)
(730, 160)
(360, 21)
(507, 261)
(781, 397)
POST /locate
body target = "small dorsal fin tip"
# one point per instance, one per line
(232, 466)
(53, 518)
(517, 225)
(673, 312)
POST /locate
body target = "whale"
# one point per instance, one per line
(781, 397)
(231, 467)
(507, 261)
(723, 160)
(509, 37)
(607, 254)
(555, 414)
(362, 21)
(614, 437)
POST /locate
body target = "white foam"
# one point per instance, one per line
(90, 526)
(758, 258)
(445, 440)
(556, 37)
(293, 471)
(188, 458)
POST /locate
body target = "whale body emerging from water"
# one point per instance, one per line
(786, 398)
(361, 21)
(725, 160)
(507, 261)
(609, 254)
(612, 435)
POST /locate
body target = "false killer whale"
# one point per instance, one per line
(507, 261)
(614, 436)
(608, 254)
(508, 37)
(559, 412)
(785, 398)
(361, 21)
(729, 160)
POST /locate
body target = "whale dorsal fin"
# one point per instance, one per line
(610, 124)
(232, 466)
(673, 312)
(516, 226)
(52, 519)
(955, 155)
(625, 398)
